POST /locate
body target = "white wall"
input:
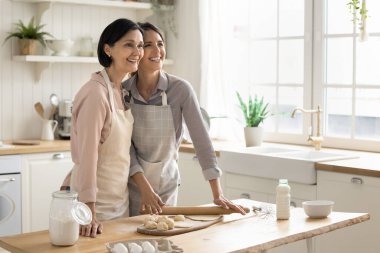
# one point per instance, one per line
(19, 89)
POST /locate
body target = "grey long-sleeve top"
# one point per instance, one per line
(184, 105)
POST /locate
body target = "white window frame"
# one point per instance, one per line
(307, 85)
(318, 84)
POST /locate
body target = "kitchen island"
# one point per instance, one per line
(255, 232)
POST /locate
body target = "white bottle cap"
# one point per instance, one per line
(283, 181)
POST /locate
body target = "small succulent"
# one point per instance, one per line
(30, 31)
(255, 112)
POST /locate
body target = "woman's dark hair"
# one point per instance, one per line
(111, 34)
(148, 26)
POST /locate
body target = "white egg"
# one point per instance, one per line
(134, 248)
(148, 247)
(119, 248)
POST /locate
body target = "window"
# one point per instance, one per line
(296, 53)
(350, 77)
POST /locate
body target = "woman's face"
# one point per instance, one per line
(127, 52)
(154, 51)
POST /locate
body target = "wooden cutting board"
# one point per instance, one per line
(26, 142)
(195, 225)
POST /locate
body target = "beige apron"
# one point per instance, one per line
(112, 199)
(155, 142)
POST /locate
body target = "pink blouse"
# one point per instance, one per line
(90, 126)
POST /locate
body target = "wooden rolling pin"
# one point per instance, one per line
(198, 210)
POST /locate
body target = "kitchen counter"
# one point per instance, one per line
(42, 147)
(236, 233)
(368, 164)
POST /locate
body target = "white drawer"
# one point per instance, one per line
(268, 186)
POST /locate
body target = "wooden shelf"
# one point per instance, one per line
(52, 59)
(65, 59)
(105, 3)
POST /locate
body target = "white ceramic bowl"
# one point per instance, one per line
(318, 208)
(60, 47)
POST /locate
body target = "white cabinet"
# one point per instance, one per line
(194, 189)
(263, 189)
(42, 174)
(351, 193)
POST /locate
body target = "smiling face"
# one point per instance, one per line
(126, 52)
(154, 52)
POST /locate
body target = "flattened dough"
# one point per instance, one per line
(183, 224)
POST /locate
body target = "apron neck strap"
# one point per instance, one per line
(164, 98)
(109, 87)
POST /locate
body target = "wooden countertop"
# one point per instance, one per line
(43, 147)
(236, 233)
(368, 164)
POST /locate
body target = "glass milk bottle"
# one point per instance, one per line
(66, 213)
(283, 200)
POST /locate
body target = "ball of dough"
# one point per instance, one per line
(149, 218)
(162, 218)
(162, 226)
(150, 225)
(119, 248)
(170, 223)
(179, 217)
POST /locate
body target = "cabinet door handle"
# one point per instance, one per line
(195, 158)
(357, 180)
(58, 156)
(9, 179)
(293, 204)
(245, 196)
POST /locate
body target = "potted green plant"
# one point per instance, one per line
(255, 112)
(359, 8)
(28, 36)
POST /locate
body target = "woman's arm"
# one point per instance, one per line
(150, 201)
(89, 117)
(204, 150)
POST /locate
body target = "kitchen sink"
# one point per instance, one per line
(316, 156)
(276, 162)
(267, 150)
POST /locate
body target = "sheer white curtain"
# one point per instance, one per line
(218, 92)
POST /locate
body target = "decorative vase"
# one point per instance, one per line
(27, 46)
(253, 136)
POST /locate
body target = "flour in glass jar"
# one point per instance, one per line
(64, 231)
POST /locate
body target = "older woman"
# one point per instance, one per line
(102, 128)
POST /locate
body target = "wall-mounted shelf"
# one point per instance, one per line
(105, 3)
(52, 59)
(65, 59)
(47, 60)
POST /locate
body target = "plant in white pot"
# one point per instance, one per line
(255, 112)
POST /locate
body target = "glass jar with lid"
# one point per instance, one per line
(66, 213)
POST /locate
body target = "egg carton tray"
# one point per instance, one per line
(161, 245)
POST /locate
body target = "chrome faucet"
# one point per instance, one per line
(315, 140)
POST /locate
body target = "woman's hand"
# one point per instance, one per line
(220, 200)
(95, 227)
(150, 202)
(227, 204)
